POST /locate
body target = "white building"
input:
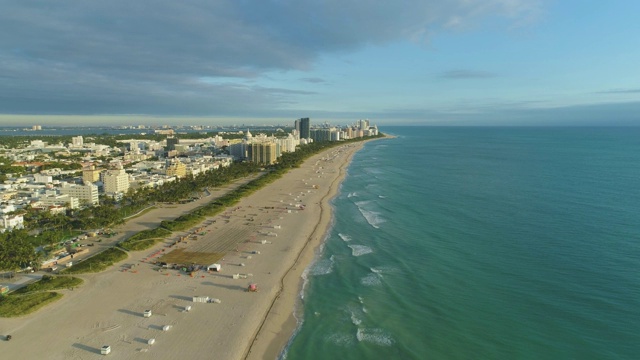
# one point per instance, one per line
(42, 179)
(85, 193)
(77, 141)
(116, 181)
(64, 200)
(10, 222)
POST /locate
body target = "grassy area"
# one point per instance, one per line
(97, 263)
(140, 213)
(50, 283)
(144, 239)
(180, 256)
(18, 305)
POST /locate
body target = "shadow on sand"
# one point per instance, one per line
(129, 312)
(230, 287)
(86, 348)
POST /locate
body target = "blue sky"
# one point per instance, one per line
(433, 62)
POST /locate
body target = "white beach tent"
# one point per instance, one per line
(214, 267)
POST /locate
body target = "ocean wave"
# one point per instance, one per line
(359, 250)
(373, 217)
(375, 336)
(355, 320)
(344, 237)
(322, 267)
(385, 269)
(372, 279)
(341, 339)
(352, 194)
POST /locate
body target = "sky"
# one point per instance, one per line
(403, 62)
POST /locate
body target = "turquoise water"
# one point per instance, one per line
(481, 243)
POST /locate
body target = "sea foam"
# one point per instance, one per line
(345, 237)
(359, 250)
(322, 267)
(373, 218)
(372, 279)
(375, 336)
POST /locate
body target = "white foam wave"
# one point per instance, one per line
(352, 194)
(373, 217)
(375, 336)
(345, 237)
(322, 267)
(372, 279)
(341, 339)
(384, 269)
(355, 320)
(382, 196)
(359, 250)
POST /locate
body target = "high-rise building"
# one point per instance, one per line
(176, 168)
(303, 127)
(363, 124)
(90, 175)
(77, 141)
(171, 143)
(264, 153)
(116, 181)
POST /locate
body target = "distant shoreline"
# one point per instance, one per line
(279, 324)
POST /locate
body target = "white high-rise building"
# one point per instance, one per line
(77, 141)
(116, 181)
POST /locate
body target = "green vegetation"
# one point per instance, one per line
(19, 305)
(50, 283)
(7, 168)
(35, 295)
(97, 263)
(144, 239)
(15, 251)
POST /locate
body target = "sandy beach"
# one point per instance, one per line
(267, 239)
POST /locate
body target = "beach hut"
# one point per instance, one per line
(214, 267)
(151, 341)
(202, 299)
(147, 313)
(105, 350)
(166, 328)
(253, 288)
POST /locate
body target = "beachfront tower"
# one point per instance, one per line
(303, 128)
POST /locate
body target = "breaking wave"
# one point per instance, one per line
(373, 218)
(345, 237)
(375, 336)
(359, 250)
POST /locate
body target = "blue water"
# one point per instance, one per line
(481, 243)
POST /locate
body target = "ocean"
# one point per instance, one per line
(480, 243)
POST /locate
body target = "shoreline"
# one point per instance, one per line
(108, 308)
(279, 324)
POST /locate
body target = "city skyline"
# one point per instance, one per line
(493, 62)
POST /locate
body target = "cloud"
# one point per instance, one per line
(620, 91)
(122, 56)
(313, 80)
(466, 74)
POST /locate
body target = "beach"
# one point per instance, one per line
(267, 239)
